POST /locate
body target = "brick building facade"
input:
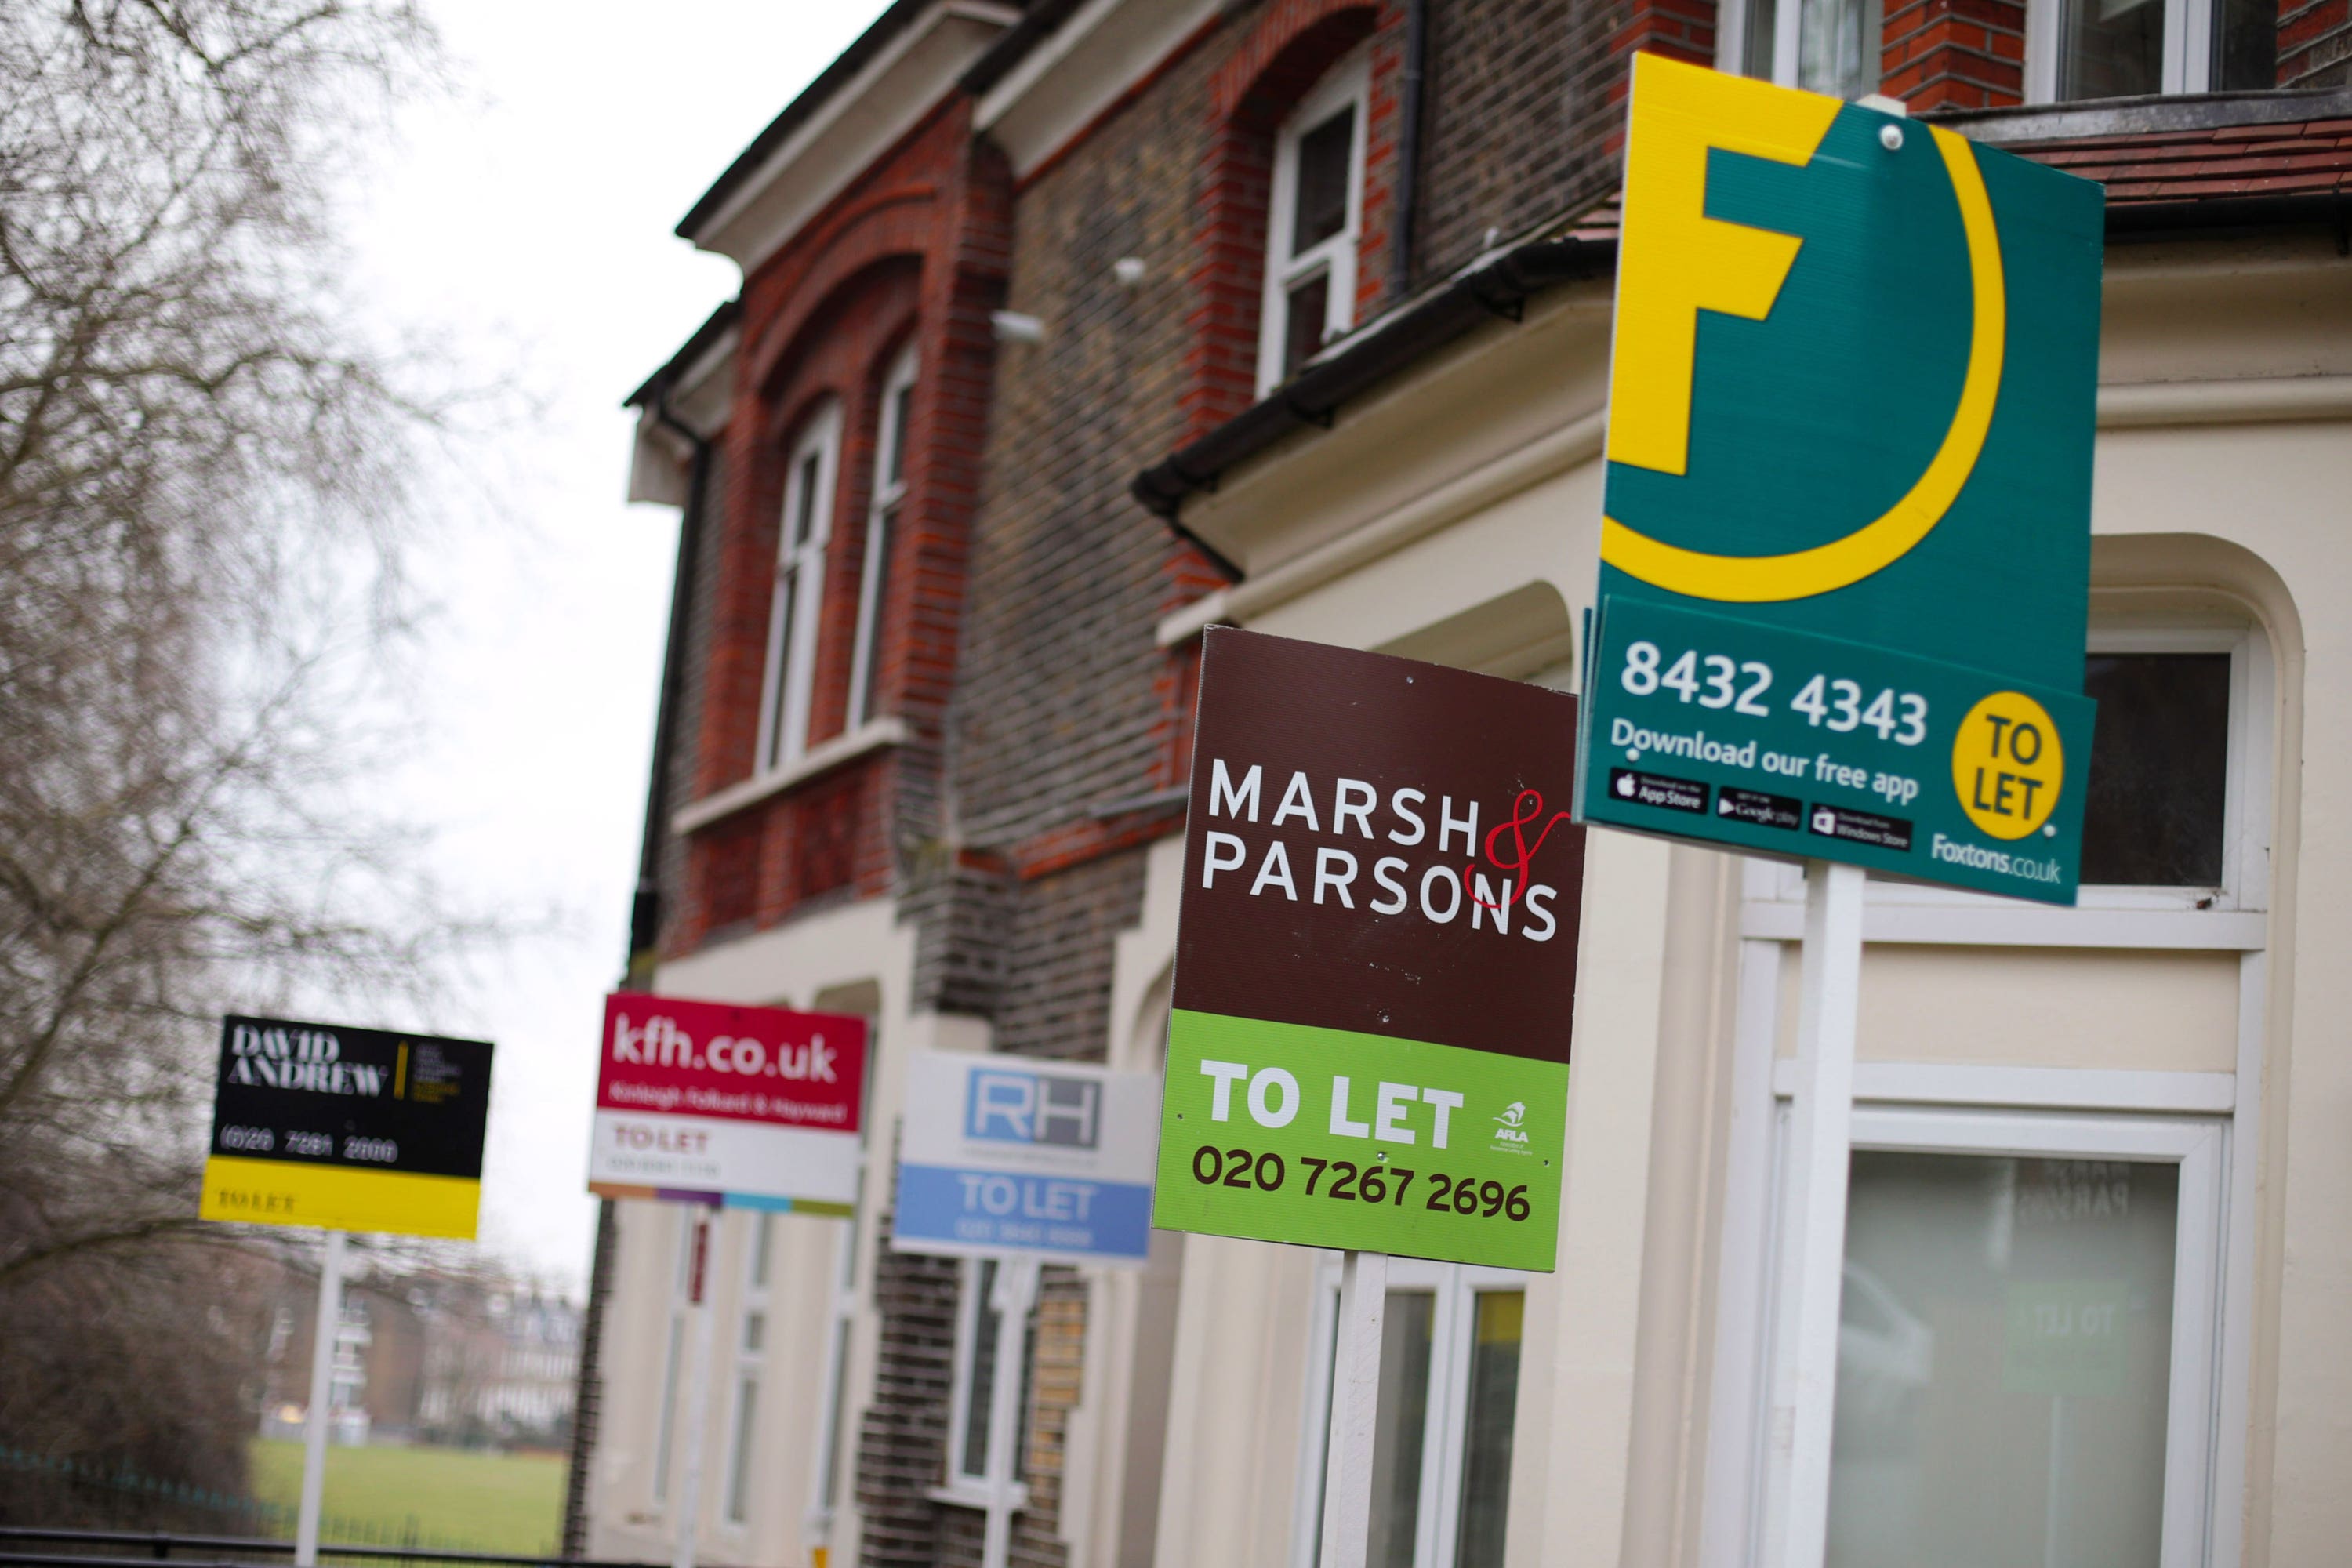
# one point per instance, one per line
(1075, 236)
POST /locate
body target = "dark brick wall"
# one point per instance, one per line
(902, 1434)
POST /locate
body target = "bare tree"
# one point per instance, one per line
(205, 503)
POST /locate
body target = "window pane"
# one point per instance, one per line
(755, 1331)
(894, 456)
(880, 537)
(829, 1462)
(2160, 769)
(1325, 154)
(2245, 45)
(1399, 1423)
(780, 660)
(2111, 48)
(981, 1392)
(739, 1462)
(1837, 47)
(1493, 1406)
(1755, 49)
(1305, 310)
(2004, 1348)
(802, 511)
(762, 1237)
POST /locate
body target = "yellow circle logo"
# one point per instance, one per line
(2007, 764)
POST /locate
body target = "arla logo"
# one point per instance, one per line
(1007, 1106)
(1511, 1124)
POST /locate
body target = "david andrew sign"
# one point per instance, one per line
(1845, 558)
(1376, 958)
(751, 1107)
(1003, 1156)
(322, 1124)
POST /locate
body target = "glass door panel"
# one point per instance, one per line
(2004, 1356)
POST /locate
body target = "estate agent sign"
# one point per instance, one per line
(706, 1104)
(1376, 959)
(320, 1124)
(1006, 1157)
(1845, 555)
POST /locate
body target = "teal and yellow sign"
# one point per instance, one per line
(1845, 557)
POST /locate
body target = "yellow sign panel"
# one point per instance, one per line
(338, 1197)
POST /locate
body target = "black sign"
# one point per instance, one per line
(323, 1094)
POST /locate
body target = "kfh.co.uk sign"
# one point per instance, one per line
(703, 1103)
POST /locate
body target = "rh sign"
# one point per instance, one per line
(1001, 1157)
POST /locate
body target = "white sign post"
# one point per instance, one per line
(697, 1398)
(1805, 1407)
(323, 1378)
(1355, 1404)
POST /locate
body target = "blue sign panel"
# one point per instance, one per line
(1002, 1159)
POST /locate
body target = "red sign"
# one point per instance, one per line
(707, 1102)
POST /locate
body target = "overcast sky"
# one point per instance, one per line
(528, 216)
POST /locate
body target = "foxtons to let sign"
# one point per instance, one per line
(1845, 549)
(1376, 961)
(318, 1124)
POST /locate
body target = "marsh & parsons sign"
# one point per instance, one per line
(1002, 1156)
(322, 1124)
(710, 1103)
(1376, 959)
(1845, 558)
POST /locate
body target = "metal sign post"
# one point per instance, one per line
(314, 1426)
(697, 1399)
(1805, 1410)
(1355, 1402)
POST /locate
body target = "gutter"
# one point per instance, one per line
(1501, 284)
(1497, 287)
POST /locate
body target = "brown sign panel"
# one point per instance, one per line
(1381, 846)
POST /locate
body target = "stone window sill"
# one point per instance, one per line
(874, 735)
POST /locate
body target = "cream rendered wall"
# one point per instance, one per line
(2223, 468)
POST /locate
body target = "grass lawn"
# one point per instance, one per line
(447, 1497)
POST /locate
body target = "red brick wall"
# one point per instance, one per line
(913, 252)
(2314, 43)
(1954, 54)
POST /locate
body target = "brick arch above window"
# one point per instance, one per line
(1275, 65)
(818, 296)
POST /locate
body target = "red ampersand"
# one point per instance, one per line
(1523, 812)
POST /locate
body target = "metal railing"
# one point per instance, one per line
(143, 1549)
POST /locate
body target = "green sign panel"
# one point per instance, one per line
(1845, 557)
(1376, 958)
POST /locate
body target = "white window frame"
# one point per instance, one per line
(1456, 1287)
(2188, 49)
(1346, 84)
(750, 1365)
(840, 1319)
(1014, 1297)
(787, 683)
(2187, 44)
(2233, 916)
(1757, 1158)
(882, 516)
